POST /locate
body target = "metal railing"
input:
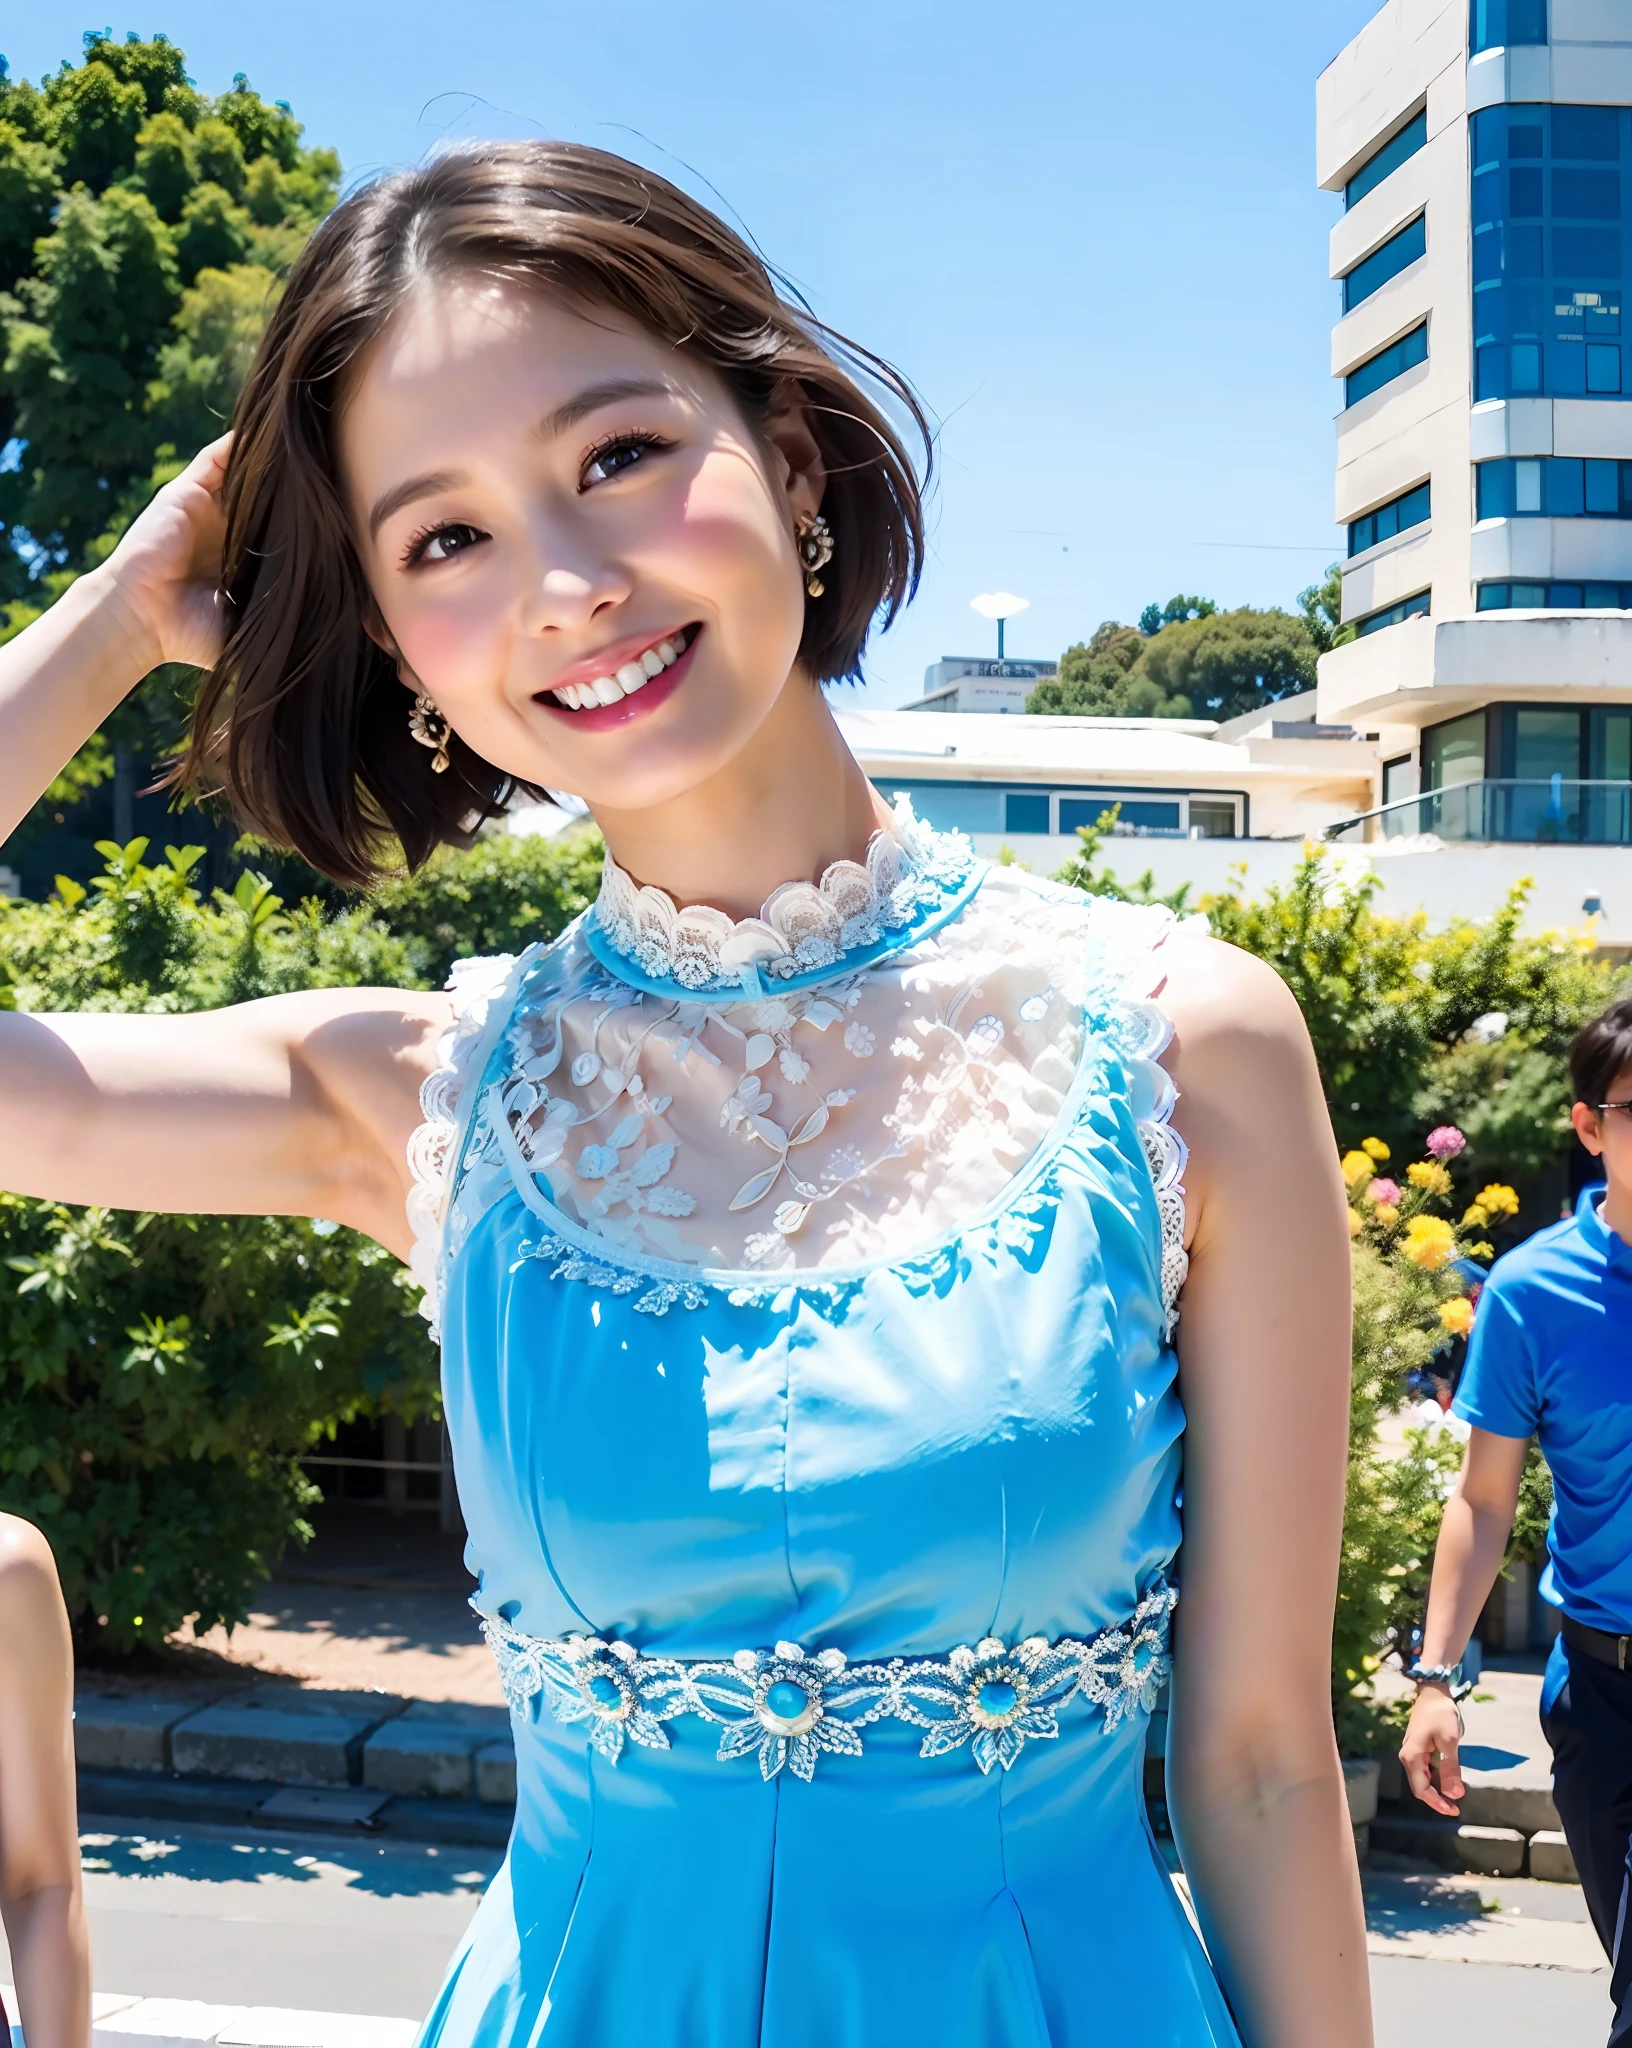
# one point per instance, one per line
(1528, 811)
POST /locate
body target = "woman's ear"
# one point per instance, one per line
(380, 633)
(791, 436)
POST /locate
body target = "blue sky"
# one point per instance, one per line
(1088, 232)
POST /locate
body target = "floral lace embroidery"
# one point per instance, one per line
(612, 1221)
(803, 927)
(474, 985)
(787, 1708)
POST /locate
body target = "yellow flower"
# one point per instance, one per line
(1430, 1176)
(1355, 1224)
(1429, 1242)
(1480, 1251)
(1475, 1217)
(1385, 1215)
(1497, 1200)
(1357, 1169)
(1457, 1315)
(1374, 1148)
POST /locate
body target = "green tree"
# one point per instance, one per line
(1229, 662)
(144, 232)
(1177, 609)
(1322, 608)
(1104, 679)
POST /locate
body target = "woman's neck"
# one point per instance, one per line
(789, 805)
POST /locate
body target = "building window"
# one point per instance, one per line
(1374, 271)
(1044, 810)
(1408, 608)
(1399, 779)
(1399, 513)
(1026, 811)
(1550, 191)
(1393, 153)
(1497, 24)
(1554, 487)
(1555, 597)
(1386, 365)
(1454, 752)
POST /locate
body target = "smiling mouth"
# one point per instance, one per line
(627, 679)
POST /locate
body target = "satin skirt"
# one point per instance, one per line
(678, 1901)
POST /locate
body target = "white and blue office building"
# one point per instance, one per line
(1482, 154)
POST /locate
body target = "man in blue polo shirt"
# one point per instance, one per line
(1551, 1356)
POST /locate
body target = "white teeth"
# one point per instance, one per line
(632, 676)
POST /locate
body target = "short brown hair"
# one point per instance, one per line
(303, 721)
(1601, 1052)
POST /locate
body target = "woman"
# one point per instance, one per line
(40, 1899)
(805, 1225)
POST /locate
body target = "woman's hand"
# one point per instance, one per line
(166, 570)
(1430, 1751)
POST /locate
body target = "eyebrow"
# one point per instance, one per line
(565, 416)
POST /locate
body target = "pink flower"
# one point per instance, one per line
(1386, 1191)
(1445, 1142)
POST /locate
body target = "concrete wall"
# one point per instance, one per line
(1448, 883)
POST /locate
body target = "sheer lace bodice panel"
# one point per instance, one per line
(829, 1126)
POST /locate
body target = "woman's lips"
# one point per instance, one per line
(655, 691)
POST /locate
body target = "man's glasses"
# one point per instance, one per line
(1603, 1108)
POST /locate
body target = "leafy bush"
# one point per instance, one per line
(160, 1376)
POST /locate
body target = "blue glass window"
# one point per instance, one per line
(1374, 271)
(1386, 365)
(1495, 24)
(1131, 816)
(1393, 153)
(1026, 811)
(1549, 196)
(1411, 509)
(1410, 608)
(1555, 597)
(1553, 487)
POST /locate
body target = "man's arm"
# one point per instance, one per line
(1472, 1543)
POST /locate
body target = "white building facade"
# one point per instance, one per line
(1483, 149)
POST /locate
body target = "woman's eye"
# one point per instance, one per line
(613, 458)
(442, 543)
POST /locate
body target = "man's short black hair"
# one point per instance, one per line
(1601, 1052)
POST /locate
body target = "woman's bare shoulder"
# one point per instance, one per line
(1226, 1005)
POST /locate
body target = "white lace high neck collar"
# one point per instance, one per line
(912, 879)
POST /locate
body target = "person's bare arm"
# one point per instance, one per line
(300, 1105)
(1467, 1558)
(1255, 1785)
(40, 1897)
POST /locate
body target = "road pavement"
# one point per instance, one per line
(342, 1924)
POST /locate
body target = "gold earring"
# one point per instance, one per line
(814, 539)
(431, 729)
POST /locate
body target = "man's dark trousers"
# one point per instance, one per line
(1588, 1721)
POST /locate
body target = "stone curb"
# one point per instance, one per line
(293, 1735)
(161, 1798)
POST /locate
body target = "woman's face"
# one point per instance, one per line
(576, 545)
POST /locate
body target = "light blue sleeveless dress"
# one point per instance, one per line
(830, 1590)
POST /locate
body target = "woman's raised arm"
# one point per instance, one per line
(301, 1104)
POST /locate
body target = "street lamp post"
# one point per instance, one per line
(1000, 605)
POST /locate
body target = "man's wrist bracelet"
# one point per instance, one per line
(1435, 1674)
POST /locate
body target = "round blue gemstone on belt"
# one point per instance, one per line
(997, 1698)
(786, 1700)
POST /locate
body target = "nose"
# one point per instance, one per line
(572, 586)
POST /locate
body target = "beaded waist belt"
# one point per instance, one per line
(786, 1706)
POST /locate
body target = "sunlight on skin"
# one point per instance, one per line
(537, 556)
